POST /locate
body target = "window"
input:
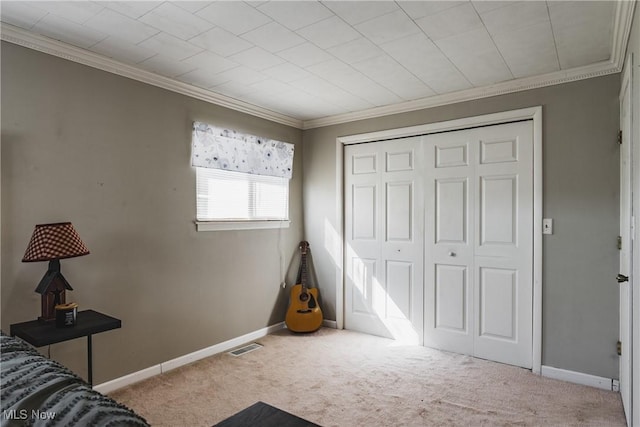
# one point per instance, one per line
(236, 196)
(242, 180)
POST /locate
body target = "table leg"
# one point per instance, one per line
(89, 360)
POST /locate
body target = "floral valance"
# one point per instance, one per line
(220, 148)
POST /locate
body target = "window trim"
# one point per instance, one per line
(222, 225)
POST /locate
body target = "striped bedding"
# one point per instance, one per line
(36, 391)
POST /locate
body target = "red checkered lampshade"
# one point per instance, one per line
(54, 241)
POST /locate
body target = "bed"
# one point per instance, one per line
(36, 391)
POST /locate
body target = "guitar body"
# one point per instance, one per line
(303, 314)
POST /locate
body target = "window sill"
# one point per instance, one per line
(240, 225)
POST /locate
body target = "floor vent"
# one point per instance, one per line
(245, 349)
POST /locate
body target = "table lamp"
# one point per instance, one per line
(53, 242)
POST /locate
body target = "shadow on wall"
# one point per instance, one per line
(282, 303)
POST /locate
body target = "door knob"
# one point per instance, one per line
(621, 278)
(451, 253)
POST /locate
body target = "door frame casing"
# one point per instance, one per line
(531, 113)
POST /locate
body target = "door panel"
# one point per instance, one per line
(450, 155)
(451, 211)
(399, 211)
(364, 164)
(400, 161)
(498, 303)
(498, 151)
(482, 203)
(498, 210)
(450, 301)
(364, 271)
(383, 253)
(449, 320)
(398, 279)
(505, 242)
(364, 212)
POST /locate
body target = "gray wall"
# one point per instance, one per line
(112, 155)
(580, 170)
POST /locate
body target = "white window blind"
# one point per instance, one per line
(236, 196)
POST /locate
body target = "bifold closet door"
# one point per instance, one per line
(479, 242)
(384, 232)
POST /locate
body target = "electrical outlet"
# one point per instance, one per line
(547, 226)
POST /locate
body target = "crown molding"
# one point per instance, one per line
(623, 18)
(21, 37)
(518, 85)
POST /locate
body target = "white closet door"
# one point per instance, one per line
(384, 239)
(449, 270)
(479, 242)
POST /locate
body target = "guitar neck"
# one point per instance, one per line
(303, 271)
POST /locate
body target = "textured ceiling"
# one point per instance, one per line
(308, 60)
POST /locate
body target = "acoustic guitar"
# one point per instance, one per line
(304, 314)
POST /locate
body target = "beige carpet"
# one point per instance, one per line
(342, 378)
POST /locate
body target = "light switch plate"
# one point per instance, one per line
(547, 226)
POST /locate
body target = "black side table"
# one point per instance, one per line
(89, 322)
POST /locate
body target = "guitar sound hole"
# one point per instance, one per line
(304, 297)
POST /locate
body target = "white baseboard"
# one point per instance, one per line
(219, 348)
(132, 378)
(577, 377)
(151, 371)
(330, 324)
